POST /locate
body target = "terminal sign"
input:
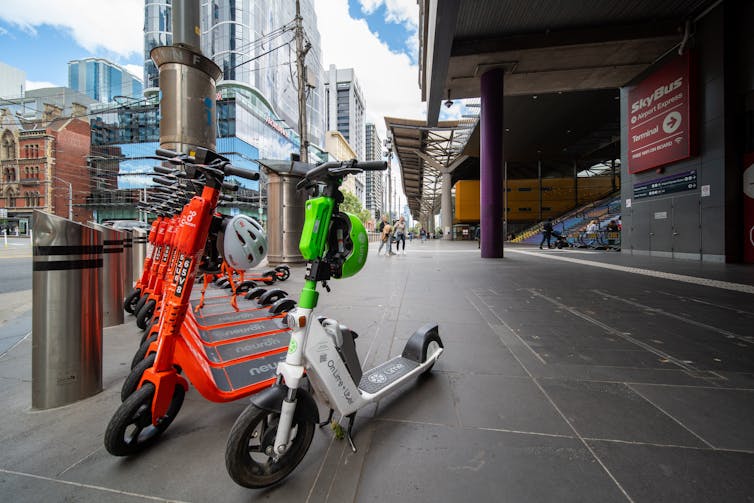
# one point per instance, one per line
(659, 116)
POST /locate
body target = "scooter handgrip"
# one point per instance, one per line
(163, 152)
(241, 173)
(372, 165)
(163, 170)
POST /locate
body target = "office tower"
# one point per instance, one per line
(12, 81)
(158, 31)
(375, 186)
(346, 107)
(102, 80)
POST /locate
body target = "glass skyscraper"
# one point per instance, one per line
(102, 80)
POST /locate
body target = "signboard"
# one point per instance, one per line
(666, 185)
(659, 117)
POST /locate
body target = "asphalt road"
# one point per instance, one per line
(15, 274)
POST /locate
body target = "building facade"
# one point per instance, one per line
(102, 80)
(43, 167)
(346, 107)
(12, 81)
(374, 180)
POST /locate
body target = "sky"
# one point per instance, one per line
(41, 36)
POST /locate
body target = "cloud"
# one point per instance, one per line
(135, 70)
(396, 11)
(388, 79)
(40, 84)
(117, 27)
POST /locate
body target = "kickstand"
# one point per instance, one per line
(351, 417)
(327, 421)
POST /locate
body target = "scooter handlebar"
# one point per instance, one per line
(231, 170)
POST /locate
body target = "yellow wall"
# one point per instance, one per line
(523, 197)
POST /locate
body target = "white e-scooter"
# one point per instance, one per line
(272, 435)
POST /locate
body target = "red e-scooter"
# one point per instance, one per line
(161, 388)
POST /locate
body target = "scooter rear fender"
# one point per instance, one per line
(272, 398)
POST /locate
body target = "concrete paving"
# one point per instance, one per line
(567, 376)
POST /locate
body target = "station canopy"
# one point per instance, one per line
(424, 153)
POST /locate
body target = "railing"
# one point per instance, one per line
(598, 240)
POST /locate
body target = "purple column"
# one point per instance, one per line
(491, 164)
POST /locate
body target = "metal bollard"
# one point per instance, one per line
(140, 240)
(112, 273)
(66, 349)
(128, 262)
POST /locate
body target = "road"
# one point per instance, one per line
(15, 292)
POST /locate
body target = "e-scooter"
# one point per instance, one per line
(273, 433)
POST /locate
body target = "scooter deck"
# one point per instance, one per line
(248, 372)
(225, 307)
(233, 317)
(247, 347)
(253, 327)
(385, 374)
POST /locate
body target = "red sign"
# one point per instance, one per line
(659, 117)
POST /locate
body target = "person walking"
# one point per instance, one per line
(385, 231)
(400, 235)
(546, 233)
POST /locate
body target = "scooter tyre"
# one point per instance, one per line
(140, 303)
(271, 277)
(145, 314)
(131, 383)
(131, 430)
(284, 272)
(141, 353)
(129, 303)
(260, 426)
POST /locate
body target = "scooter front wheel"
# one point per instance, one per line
(248, 454)
(131, 429)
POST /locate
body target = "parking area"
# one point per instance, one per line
(568, 375)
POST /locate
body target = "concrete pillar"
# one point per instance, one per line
(491, 164)
(447, 207)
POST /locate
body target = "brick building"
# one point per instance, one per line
(43, 166)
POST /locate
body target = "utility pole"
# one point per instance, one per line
(301, 70)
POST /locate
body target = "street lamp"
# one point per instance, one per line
(70, 196)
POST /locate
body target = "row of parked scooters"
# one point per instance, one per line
(233, 338)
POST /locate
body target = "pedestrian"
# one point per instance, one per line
(385, 230)
(422, 235)
(546, 233)
(410, 236)
(477, 235)
(400, 235)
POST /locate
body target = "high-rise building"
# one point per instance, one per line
(252, 43)
(102, 80)
(158, 31)
(346, 107)
(375, 180)
(12, 81)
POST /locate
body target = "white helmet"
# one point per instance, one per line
(242, 242)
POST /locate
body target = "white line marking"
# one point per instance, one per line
(672, 446)
(89, 486)
(706, 303)
(726, 333)
(725, 285)
(669, 415)
(607, 328)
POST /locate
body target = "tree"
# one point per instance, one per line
(351, 204)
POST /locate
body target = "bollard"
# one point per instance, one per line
(112, 273)
(66, 348)
(140, 240)
(128, 262)
(285, 210)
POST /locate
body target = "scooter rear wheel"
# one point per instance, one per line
(131, 430)
(145, 314)
(129, 303)
(253, 437)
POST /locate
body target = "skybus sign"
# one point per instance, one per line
(659, 116)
